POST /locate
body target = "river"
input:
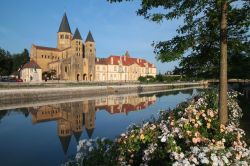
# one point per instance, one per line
(47, 134)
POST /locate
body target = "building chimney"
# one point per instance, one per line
(97, 59)
(112, 61)
(138, 60)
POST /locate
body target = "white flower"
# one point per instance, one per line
(225, 159)
(91, 148)
(164, 139)
(204, 160)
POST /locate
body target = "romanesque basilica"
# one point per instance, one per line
(75, 60)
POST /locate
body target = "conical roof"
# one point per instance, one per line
(65, 140)
(89, 38)
(90, 132)
(77, 35)
(64, 26)
(77, 135)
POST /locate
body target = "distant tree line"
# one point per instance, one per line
(10, 63)
(161, 78)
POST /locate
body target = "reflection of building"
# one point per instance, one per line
(124, 104)
(71, 118)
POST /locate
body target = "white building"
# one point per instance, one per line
(123, 68)
(31, 72)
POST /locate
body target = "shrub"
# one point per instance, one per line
(188, 135)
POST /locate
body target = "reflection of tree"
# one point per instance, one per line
(146, 95)
(3, 113)
(24, 111)
(187, 91)
(175, 92)
(161, 94)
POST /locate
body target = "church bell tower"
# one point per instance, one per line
(64, 35)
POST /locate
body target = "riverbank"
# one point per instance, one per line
(190, 134)
(24, 95)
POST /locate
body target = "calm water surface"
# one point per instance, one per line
(48, 134)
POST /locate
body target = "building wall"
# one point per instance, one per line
(63, 40)
(90, 55)
(112, 72)
(31, 75)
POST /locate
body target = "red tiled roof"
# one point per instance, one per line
(101, 61)
(125, 107)
(31, 64)
(125, 60)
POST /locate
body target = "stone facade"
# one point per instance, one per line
(76, 60)
(123, 68)
(72, 59)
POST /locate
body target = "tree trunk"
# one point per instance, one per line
(223, 112)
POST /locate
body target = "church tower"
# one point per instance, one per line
(90, 54)
(77, 44)
(64, 35)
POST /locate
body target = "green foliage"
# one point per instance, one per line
(51, 74)
(160, 78)
(147, 78)
(20, 59)
(189, 129)
(6, 63)
(10, 63)
(198, 37)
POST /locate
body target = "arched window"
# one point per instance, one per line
(61, 36)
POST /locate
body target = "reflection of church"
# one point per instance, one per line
(71, 118)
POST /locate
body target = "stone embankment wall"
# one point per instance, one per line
(45, 94)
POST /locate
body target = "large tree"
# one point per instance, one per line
(6, 63)
(191, 35)
(203, 62)
(20, 59)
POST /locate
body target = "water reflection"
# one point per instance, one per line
(72, 118)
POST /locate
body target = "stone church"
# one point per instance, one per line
(72, 59)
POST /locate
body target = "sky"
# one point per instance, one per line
(115, 27)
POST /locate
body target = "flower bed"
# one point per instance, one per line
(188, 135)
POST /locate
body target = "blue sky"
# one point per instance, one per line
(115, 27)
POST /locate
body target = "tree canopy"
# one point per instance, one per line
(10, 63)
(197, 42)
